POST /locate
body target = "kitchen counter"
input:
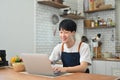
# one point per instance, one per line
(107, 59)
(10, 74)
(102, 59)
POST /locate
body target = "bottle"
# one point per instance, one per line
(86, 5)
(91, 5)
(98, 20)
(108, 22)
(92, 23)
(111, 22)
(96, 23)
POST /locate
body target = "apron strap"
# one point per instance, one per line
(62, 49)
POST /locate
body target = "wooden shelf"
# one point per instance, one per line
(73, 16)
(98, 10)
(100, 27)
(53, 4)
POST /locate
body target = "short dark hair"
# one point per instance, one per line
(68, 24)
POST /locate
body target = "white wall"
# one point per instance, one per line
(118, 20)
(72, 3)
(16, 26)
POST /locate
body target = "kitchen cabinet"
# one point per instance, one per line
(112, 68)
(52, 4)
(106, 67)
(90, 68)
(98, 67)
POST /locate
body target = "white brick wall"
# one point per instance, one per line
(45, 41)
(118, 26)
(72, 3)
(108, 45)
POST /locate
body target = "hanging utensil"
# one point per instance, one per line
(55, 19)
(112, 36)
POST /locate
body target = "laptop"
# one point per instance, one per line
(38, 64)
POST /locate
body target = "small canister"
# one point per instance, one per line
(87, 23)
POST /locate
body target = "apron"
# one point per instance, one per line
(71, 59)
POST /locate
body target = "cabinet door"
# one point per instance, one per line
(98, 67)
(90, 68)
(111, 67)
(116, 69)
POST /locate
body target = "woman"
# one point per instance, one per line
(75, 55)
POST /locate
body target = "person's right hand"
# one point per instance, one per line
(59, 69)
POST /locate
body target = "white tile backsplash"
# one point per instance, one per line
(107, 44)
(45, 41)
(118, 26)
(108, 41)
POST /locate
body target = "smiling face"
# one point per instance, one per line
(67, 29)
(66, 36)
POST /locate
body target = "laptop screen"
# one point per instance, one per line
(37, 63)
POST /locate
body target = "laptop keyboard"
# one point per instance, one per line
(58, 73)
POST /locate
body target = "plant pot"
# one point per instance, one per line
(18, 67)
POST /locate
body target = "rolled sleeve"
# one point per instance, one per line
(85, 53)
(55, 55)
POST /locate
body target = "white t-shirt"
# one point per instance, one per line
(84, 52)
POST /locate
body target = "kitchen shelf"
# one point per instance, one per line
(100, 27)
(98, 10)
(53, 4)
(73, 16)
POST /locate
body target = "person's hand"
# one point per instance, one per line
(59, 69)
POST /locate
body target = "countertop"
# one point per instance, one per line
(102, 59)
(10, 74)
(107, 59)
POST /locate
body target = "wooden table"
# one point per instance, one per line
(10, 74)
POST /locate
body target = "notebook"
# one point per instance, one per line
(38, 64)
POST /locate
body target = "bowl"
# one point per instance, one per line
(107, 54)
(18, 67)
